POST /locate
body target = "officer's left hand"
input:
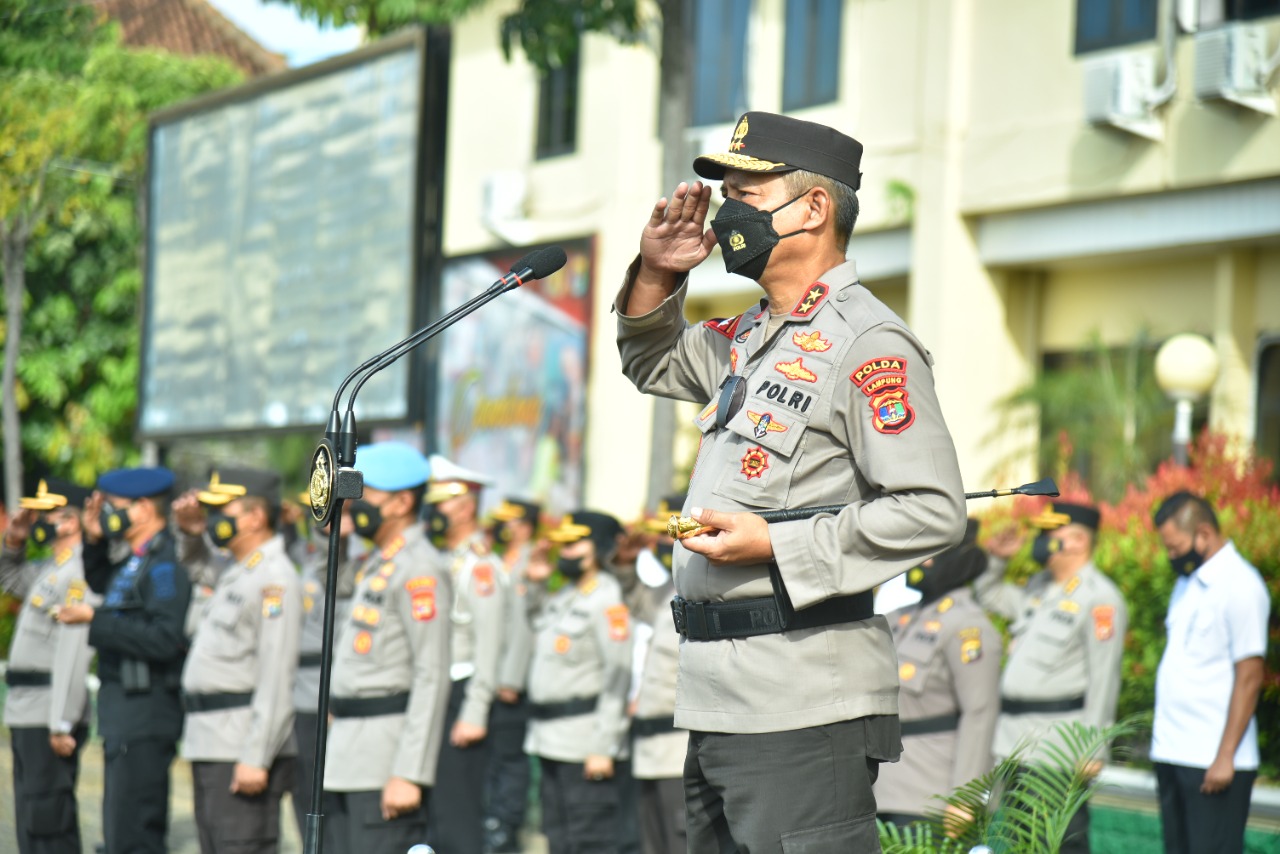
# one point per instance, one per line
(400, 796)
(740, 538)
(62, 743)
(465, 734)
(248, 780)
(1219, 776)
(597, 768)
(71, 615)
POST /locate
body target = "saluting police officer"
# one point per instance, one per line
(47, 707)
(507, 780)
(306, 683)
(390, 682)
(949, 667)
(817, 395)
(578, 684)
(479, 615)
(657, 747)
(1068, 630)
(138, 633)
(237, 682)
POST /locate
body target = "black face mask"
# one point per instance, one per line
(435, 522)
(44, 532)
(952, 569)
(1187, 563)
(366, 519)
(222, 528)
(114, 522)
(1044, 547)
(746, 236)
(570, 567)
(665, 553)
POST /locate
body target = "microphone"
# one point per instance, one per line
(538, 264)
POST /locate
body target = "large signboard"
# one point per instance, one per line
(281, 247)
(512, 378)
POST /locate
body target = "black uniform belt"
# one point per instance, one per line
(745, 618)
(641, 727)
(215, 702)
(368, 707)
(28, 678)
(310, 659)
(565, 709)
(1027, 707)
(928, 726)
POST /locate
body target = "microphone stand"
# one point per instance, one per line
(334, 480)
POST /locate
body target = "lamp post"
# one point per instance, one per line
(1186, 367)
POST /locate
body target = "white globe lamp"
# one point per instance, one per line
(1186, 368)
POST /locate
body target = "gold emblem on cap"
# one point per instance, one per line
(739, 134)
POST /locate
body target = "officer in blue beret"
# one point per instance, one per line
(138, 632)
(390, 682)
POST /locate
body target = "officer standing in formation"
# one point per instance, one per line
(479, 614)
(1068, 627)
(817, 395)
(47, 707)
(306, 684)
(578, 684)
(507, 781)
(390, 685)
(238, 678)
(657, 747)
(138, 633)
(949, 668)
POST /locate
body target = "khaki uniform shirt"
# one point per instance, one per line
(660, 756)
(948, 664)
(479, 621)
(513, 668)
(840, 409)
(41, 644)
(395, 640)
(581, 648)
(306, 685)
(247, 642)
(205, 565)
(1067, 641)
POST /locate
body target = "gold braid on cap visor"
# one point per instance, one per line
(568, 532)
(43, 499)
(220, 493)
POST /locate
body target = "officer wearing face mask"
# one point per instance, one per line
(479, 616)
(138, 633)
(507, 782)
(239, 674)
(657, 746)
(46, 707)
(816, 395)
(578, 689)
(390, 683)
(949, 668)
(1068, 627)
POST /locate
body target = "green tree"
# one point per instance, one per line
(73, 142)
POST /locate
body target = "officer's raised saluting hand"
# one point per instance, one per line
(91, 518)
(739, 538)
(188, 514)
(676, 239)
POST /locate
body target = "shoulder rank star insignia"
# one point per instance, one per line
(765, 424)
(817, 292)
(811, 341)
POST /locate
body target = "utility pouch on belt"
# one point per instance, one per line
(135, 676)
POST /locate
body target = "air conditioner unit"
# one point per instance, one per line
(1231, 66)
(1119, 91)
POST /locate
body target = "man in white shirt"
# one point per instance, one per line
(1205, 738)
